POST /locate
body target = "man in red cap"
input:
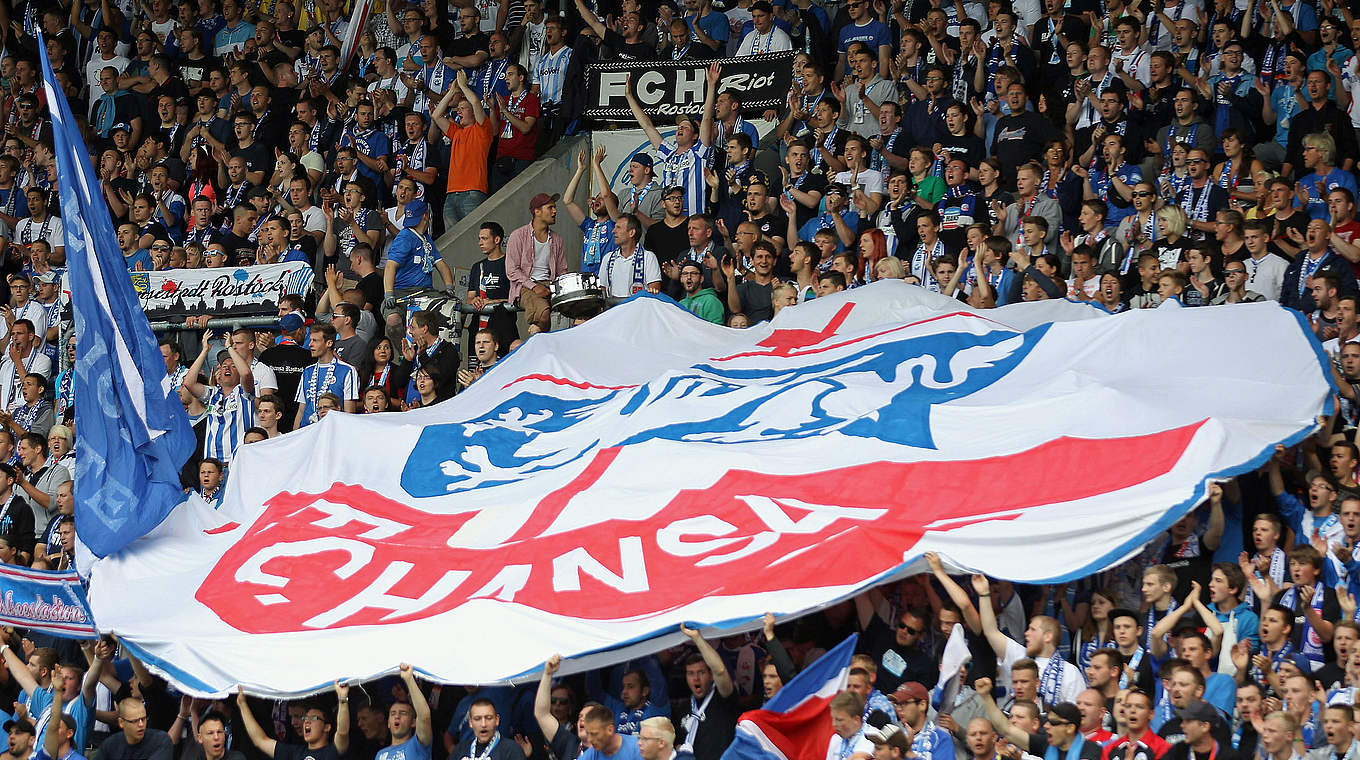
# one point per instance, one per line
(929, 741)
(534, 255)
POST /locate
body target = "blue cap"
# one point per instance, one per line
(415, 211)
(290, 322)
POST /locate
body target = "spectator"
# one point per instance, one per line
(534, 256)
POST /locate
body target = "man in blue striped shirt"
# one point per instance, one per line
(328, 375)
(229, 404)
(684, 161)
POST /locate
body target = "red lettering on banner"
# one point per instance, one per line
(350, 556)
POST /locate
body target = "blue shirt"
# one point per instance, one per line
(1248, 624)
(714, 25)
(411, 749)
(373, 143)
(874, 34)
(142, 257)
(410, 251)
(598, 242)
(228, 38)
(335, 377)
(1317, 203)
(826, 222)
(628, 750)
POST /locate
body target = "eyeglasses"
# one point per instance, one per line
(313, 719)
(1057, 723)
(1198, 161)
(160, 247)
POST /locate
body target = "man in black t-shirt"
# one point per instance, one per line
(1202, 728)
(710, 722)
(1020, 137)
(316, 732)
(489, 284)
(288, 359)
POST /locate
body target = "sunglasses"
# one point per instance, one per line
(1197, 161)
(1143, 194)
(908, 629)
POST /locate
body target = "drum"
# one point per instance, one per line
(577, 295)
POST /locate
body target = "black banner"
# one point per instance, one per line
(672, 88)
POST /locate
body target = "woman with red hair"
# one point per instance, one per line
(873, 246)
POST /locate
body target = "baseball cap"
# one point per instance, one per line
(910, 691)
(415, 211)
(290, 323)
(890, 735)
(47, 278)
(1065, 712)
(1198, 710)
(834, 187)
(118, 126)
(1045, 282)
(542, 199)
(681, 189)
(22, 726)
(643, 159)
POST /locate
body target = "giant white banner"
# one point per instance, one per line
(224, 291)
(601, 485)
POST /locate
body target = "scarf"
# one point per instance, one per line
(106, 113)
(1073, 752)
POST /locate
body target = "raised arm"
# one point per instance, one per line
(52, 736)
(590, 18)
(574, 209)
(722, 681)
(257, 735)
(543, 699)
(648, 128)
(1173, 618)
(341, 737)
(955, 591)
(988, 616)
(1003, 726)
(713, 74)
(19, 670)
(1213, 533)
(424, 730)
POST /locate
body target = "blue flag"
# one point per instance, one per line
(131, 430)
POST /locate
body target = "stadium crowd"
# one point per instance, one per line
(1123, 154)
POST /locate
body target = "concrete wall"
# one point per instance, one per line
(510, 208)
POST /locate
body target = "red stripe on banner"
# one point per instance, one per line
(300, 568)
(564, 381)
(224, 528)
(357, 20)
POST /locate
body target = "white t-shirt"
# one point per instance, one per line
(1071, 682)
(870, 181)
(11, 397)
(755, 42)
(1267, 275)
(617, 272)
(50, 229)
(542, 258)
(835, 749)
(314, 219)
(394, 84)
(1135, 64)
(264, 377)
(92, 69)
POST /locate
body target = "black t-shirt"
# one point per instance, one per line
(240, 251)
(372, 288)
(772, 225)
(299, 752)
(755, 300)
(897, 664)
(716, 730)
(258, 157)
(1038, 746)
(1182, 751)
(968, 147)
(196, 69)
(487, 279)
(1330, 611)
(468, 45)
(504, 750)
(1191, 561)
(667, 242)
(287, 360)
(812, 182)
(616, 47)
(16, 521)
(1020, 138)
(155, 745)
(1175, 735)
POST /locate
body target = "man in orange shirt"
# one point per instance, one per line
(471, 132)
